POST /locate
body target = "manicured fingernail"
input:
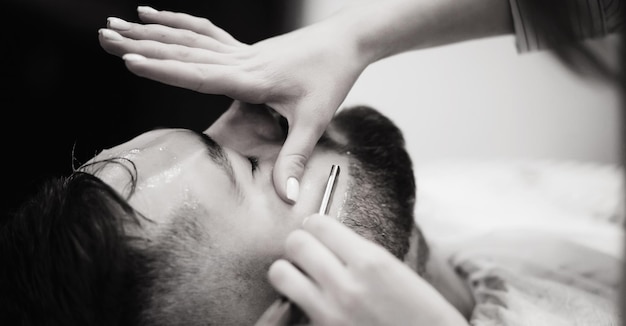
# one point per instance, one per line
(146, 10)
(118, 24)
(110, 35)
(305, 220)
(293, 189)
(133, 57)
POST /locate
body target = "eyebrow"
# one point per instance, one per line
(218, 156)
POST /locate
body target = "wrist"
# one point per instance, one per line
(365, 31)
(379, 29)
(345, 33)
(382, 28)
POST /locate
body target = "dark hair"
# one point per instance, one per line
(67, 257)
(384, 188)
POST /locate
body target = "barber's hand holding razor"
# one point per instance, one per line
(337, 277)
(304, 81)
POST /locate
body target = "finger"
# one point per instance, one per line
(293, 157)
(116, 44)
(168, 35)
(293, 284)
(204, 78)
(185, 21)
(201, 78)
(315, 260)
(347, 245)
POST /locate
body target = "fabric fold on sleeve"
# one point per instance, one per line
(586, 19)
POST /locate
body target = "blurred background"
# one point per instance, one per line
(64, 96)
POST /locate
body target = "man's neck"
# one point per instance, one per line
(442, 276)
(440, 273)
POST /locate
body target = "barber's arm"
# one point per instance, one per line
(305, 74)
(339, 278)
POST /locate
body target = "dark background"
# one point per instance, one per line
(64, 96)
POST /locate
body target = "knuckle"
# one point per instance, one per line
(205, 22)
(200, 81)
(370, 263)
(297, 159)
(190, 38)
(350, 297)
(182, 53)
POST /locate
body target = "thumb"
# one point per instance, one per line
(293, 158)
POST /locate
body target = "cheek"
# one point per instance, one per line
(265, 227)
(160, 202)
(234, 278)
(291, 216)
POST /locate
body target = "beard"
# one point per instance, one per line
(379, 205)
(380, 201)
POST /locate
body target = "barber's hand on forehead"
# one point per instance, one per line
(337, 277)
(190, 52)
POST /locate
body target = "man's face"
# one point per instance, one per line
(226, 171)
(218, 222)
(208, 182)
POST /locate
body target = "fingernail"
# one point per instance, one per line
(293, 189)
(110, 35)
(133, 57)
(305, 220)
(146, 10)
(118, 24)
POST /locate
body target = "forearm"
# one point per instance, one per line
(382, 28)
